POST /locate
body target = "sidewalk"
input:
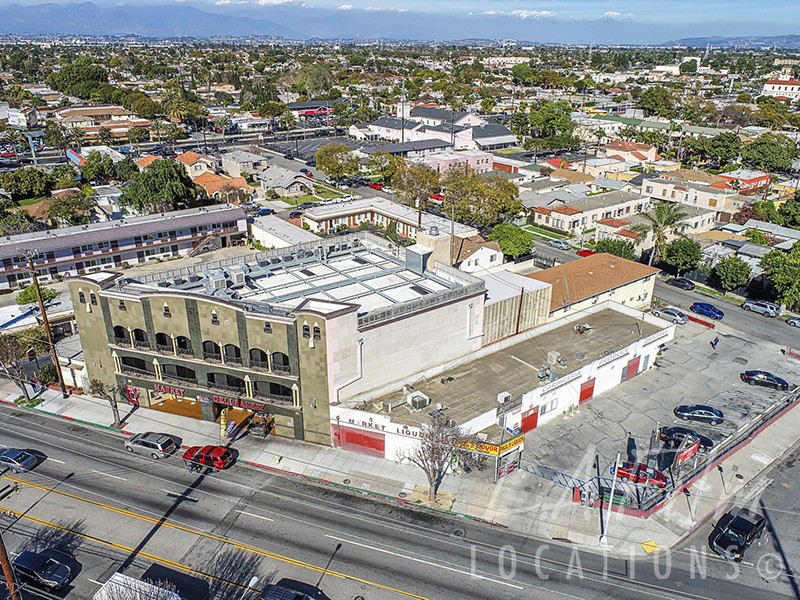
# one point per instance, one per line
(521, 502)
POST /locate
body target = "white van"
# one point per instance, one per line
(122, 587)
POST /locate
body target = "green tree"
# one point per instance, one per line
(732, 272)
(125, 170)
(383, 164)
(522, 73)
(74, 208)
(28, 294)
(288, 120)
(770, 152)
(336, 161)
(552, 123)
(662, 223)
(105, 137)
(725, 147)
(757, 237)
(688, 67)
(13, 350)
(164, 186)
(315, 79)
(744, 98)
(684, 254)
(97, 167)
(480, 200)
(514, 241)
(55, 136)
(783, 270)
(622, 248)
(790, 212)
(76, 137)
(27, 182)
(272, 109)
(137, 135)
(657, 101)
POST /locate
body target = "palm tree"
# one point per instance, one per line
(666, 220)
(77, 136)
(105, 136)
(288, 119)
(223, 123)
(158, 128)
(13, 138)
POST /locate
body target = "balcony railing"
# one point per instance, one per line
(214, 357)
(143, 373)
(233, 360)
(260, 365)
(140, 345)
(165, 348)
(226, 388)
(283, 369)
(274, 398)
(121, 341)
(186, 352)
(178, 379)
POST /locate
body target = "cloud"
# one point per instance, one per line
(385, 9)
(533, 14)
(618, 16)
(345, 7)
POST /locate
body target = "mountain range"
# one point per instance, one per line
(300, 21)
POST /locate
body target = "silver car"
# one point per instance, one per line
(157, 445)
(560, 244)
(793, 321)
(767, 309)
(671, 314)
(17, 460)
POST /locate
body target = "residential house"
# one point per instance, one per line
(746, 179)
(784, 89)
(577, 215)
(274, 232)
(92, 118)
(23, 118)
(717, 197)
(241, 161)
(631, 152)
(601, 167)
(787, 188)
(475, 254)
(410, 150)
(146, 160)
(579, 284)
(223, 188)
(474, 160)
(107, 202)
(197, 164)
(285, 183)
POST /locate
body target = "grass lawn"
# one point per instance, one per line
(294, 201)
(328, 195)
(31, 201)
(543, 233)
(514, 150)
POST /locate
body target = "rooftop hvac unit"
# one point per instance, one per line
(418, 400)
(502, 397)
(177, 280)
(553, 356)
(194, 278)
(216, 280)
(236, 274)
(288, 257)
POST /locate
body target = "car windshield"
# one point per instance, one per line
(49, 568)
(734, 535)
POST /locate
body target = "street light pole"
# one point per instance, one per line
(604, 533)
(46, 323)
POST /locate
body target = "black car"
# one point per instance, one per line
(699, 412)
(764, 378)
(42, 569)
(291, 589)
(264, 212)
(680, 282)
(735, 532)
(311, 163)
(295, 214)
(306, 205)
(288, 155)
(674, 437)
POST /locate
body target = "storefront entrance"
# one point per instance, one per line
(172, 400)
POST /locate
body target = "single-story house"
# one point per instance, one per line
(284, 182)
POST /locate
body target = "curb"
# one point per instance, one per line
(67, 418)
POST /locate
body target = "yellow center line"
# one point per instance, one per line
(211, 536)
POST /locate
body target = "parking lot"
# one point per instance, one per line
(688, 372)
(306, 149)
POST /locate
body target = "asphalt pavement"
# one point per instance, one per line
(107, 510)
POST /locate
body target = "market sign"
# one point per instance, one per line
(239, 403)
(493, 449)
(687, 453)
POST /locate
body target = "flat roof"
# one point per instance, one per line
(349, 270)
(388, 208)
(283, 229)
(475, 385)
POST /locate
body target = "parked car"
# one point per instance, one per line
(42, 569)
(735, 532)
(764, 308)
(311, 163)
(680, 282)
(671, 314)
(295, 214)
(637, 473)
(305, 205)
(157, 445)
(765, 379)
(707, 310)
(585, 252)
(437, 197)
(376, 185)
(793, 321)
(264, 212)
(214, 457)
(700, 413)
(560, 244)
(18, 461)
(304, 170)
(674, 437)
(291, 589)
(288, 156)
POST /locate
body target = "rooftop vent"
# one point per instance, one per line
(417, 400)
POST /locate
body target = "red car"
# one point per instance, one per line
(637, 473)
(437, 197)
(214, 457)
(376, 185)
(585, 252)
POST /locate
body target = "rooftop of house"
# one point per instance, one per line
(692, 175)
(471, 389)
(359, 270)
(394, 210)
(466, 247)
(579, 204)
(288, 232)
(744, 174)
(578, 280)
(242, 156)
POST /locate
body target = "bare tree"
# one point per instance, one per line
(441, 443)
(13, 348)
(122, 587)
(107, 392)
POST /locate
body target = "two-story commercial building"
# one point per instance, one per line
(582, 213)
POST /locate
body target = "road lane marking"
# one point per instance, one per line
(249, 514)
(202, 534)
(55, 460)
(425, 562)
(109, 475)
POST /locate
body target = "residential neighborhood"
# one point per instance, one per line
(350, 316)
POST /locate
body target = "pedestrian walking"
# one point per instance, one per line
(714, 343)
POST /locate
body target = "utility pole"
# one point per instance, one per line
(30, 254)
(8, 572)
(604, 533)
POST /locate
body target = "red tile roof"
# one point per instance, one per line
(613, 222)
(567, 210)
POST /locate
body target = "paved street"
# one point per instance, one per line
(209, 533)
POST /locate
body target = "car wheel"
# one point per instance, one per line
(747, 308)
(766, 314)
(675, 321)
(751, 382)
(714, 422)
(154, 456)
(623, 478)
(129, 448)
(685, 417)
